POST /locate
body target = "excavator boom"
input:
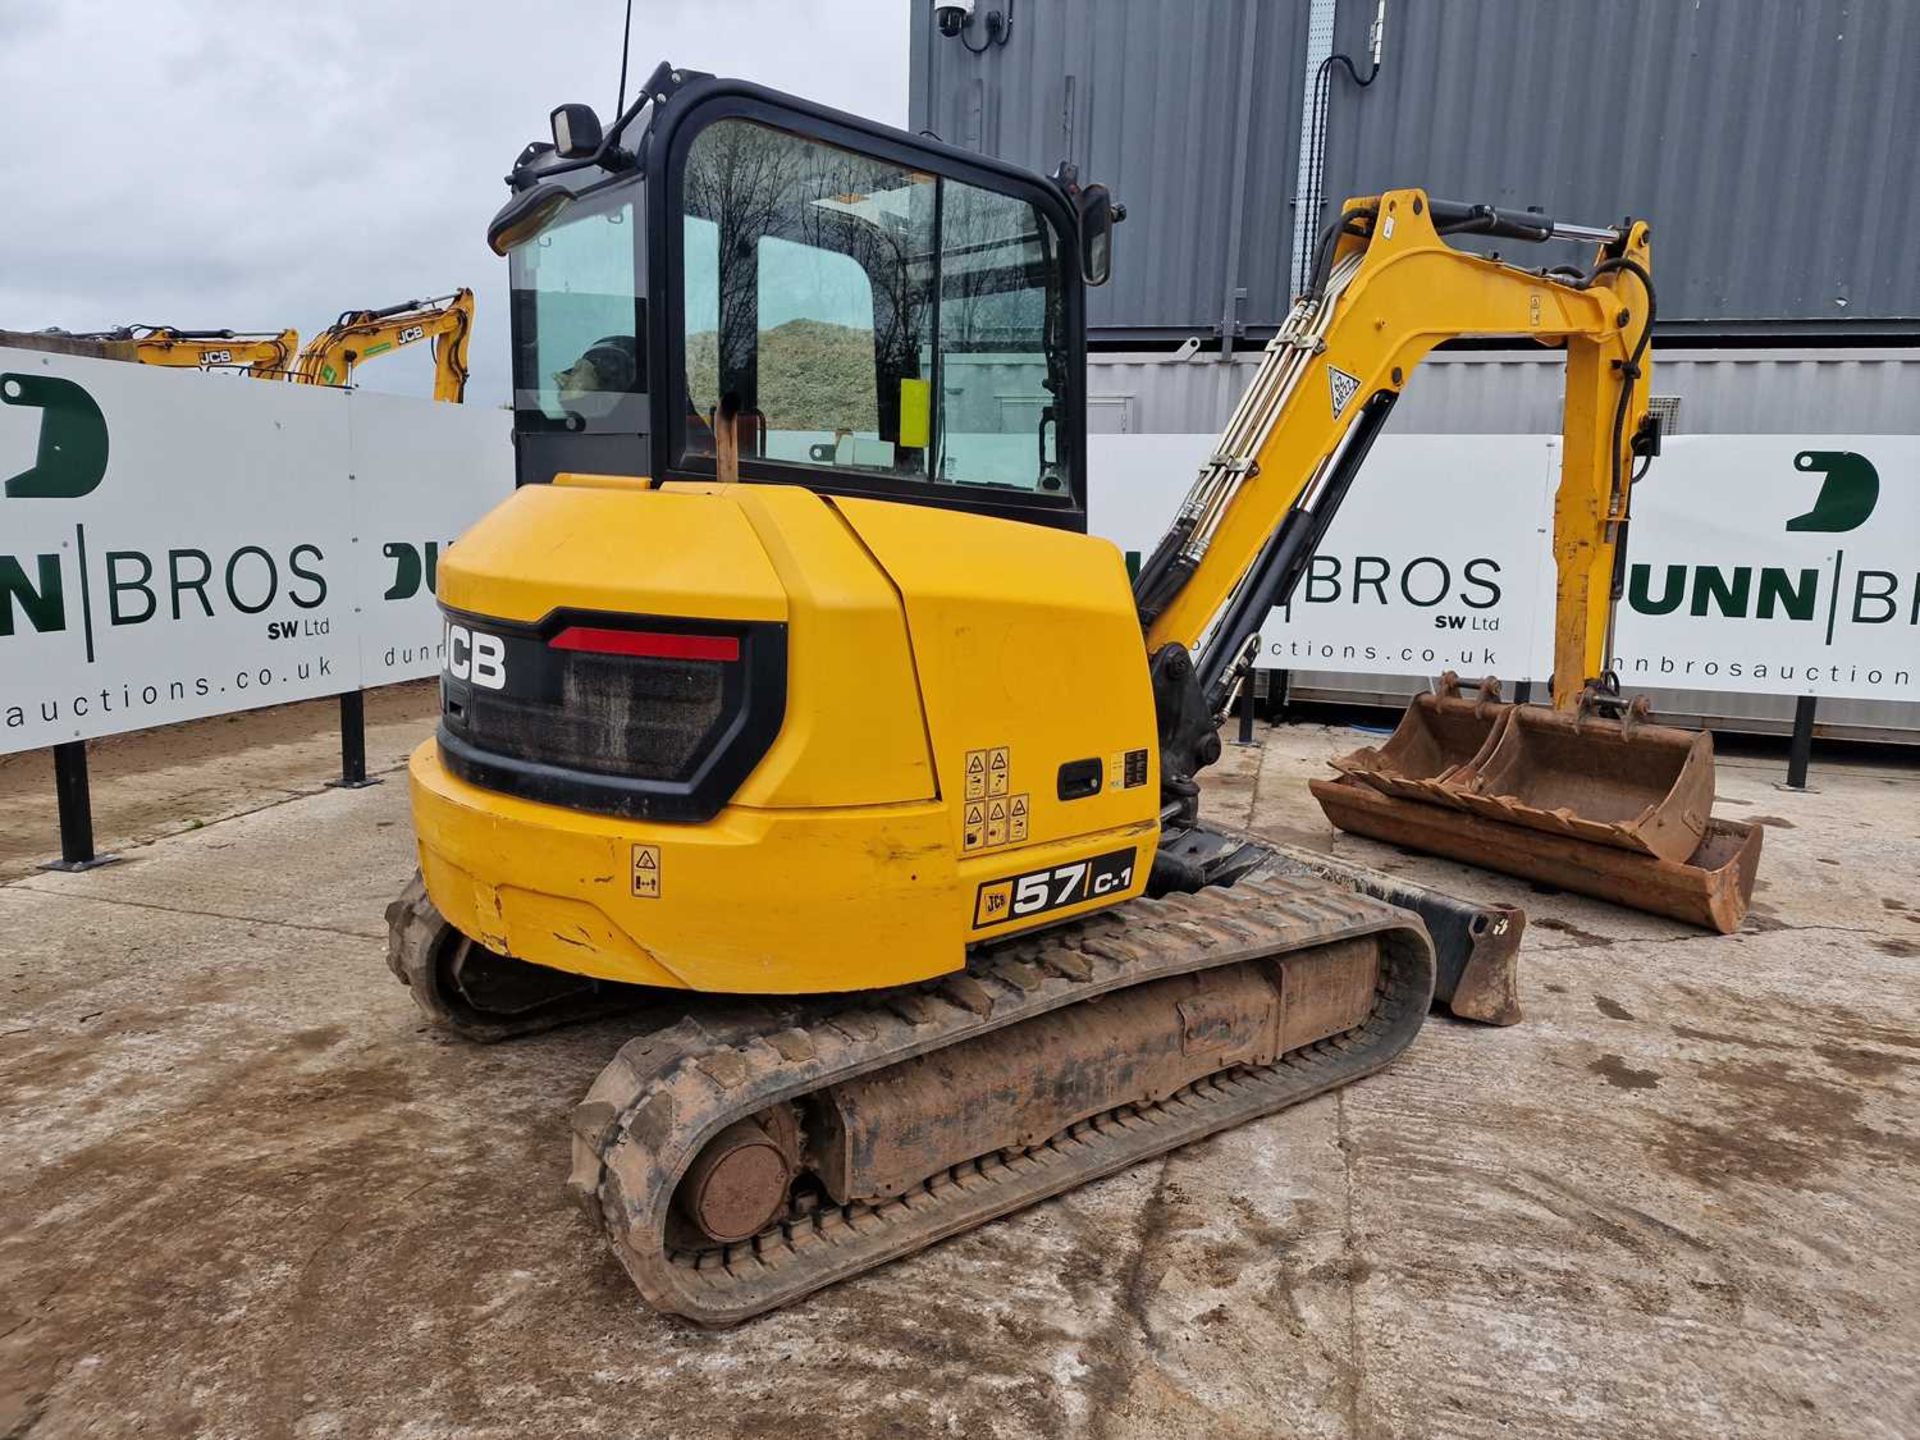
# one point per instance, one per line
(1622, 807)
(264, 355)
(361, 335)
(1389, 288)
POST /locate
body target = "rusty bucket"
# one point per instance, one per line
(1437, 746)
(1616, 782)
(1712, 887)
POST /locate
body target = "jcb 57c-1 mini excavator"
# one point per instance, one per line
(788, 703)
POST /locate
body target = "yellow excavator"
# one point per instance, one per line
(264, 355)
(787, 703)
(361, 335)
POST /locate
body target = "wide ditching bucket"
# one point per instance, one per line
(1638, 787)
(1608, 806)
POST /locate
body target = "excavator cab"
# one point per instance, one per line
(796, 573)
(883, 315)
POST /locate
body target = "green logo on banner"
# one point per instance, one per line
(1847, 495)
(73, 438)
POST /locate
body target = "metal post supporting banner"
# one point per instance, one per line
(1800, 748)
(353, 742)
(76, 810)
(1245, 736)
(1278, 684)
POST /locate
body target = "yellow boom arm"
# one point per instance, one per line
(1388, 289)
(264, 355)
(360, 335)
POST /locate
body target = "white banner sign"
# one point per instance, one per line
(175, 544)
(1772, 564)
(1777, 564)
(1435, 562)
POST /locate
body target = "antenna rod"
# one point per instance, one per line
(626, 42)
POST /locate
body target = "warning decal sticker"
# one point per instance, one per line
(993, 816)
(975, 829)
(976, 774)
(1343, 386)
(646, 871)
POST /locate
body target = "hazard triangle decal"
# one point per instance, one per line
(1343, 386)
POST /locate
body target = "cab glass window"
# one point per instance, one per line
(579, 358)
(867, 316)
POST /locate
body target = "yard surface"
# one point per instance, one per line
(243, 1191)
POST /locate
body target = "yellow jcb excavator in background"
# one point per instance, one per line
(263, 354)
(787, 702)
(361, 335)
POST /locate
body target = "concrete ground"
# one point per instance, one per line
(244, 1193)
(151, 783)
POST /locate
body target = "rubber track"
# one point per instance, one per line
(666, 1094)
(417, 935)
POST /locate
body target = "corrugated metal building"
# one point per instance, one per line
(1771, 142)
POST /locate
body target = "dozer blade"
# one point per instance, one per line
(1639, 787)
(752, 1153)
(1439, 743)
(1712, 887)
(1476, 944)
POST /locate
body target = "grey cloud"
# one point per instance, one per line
(204, 163)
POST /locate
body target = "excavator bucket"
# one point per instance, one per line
(1712, 888)
(1440, 741)
(1607, 806)
(1638, 787)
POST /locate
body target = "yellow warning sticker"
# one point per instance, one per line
(976, 774)
(1116, 769)
(976, 825)
(994, 904)
(646, 871)
(996, 822)
(999, 767)
(1017, 819)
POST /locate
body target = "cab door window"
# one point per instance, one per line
(868, 317)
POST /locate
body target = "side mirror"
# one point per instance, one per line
(576, 132)
(526, 215)
(1098, 215)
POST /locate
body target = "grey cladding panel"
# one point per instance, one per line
(1775, 144)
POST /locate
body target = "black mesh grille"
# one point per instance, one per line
(648, 716)
(613, 715)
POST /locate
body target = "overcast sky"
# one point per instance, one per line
(228, 164)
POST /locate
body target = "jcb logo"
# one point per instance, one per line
(475, 655)
(409, 334)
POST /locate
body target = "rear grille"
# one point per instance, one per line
(613, 715)
(625, 715)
